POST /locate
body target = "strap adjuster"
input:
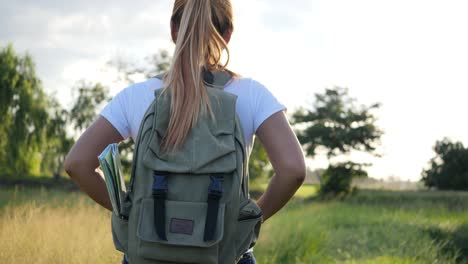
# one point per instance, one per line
(160, 187)
(216, 186)
(215, 192)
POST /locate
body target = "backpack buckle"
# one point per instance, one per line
(215, 190)
(160, 187)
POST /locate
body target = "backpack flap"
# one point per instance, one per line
(210, 145)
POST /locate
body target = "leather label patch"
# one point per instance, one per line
(181, 226)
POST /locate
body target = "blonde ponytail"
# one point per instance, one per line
(199, 46)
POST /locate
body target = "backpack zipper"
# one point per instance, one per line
(244, 185)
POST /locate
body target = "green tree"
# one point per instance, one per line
(90, 97)
(151, 66)
(59, 141)
(32, 123)
(448, 170)
(337, 126)
(337, 178)
(23, 114)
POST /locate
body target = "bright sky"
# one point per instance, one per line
(409, 55)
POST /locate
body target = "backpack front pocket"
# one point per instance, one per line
(119, 232)
(184, 229)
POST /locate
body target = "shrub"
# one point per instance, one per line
(336, 180)
(448, 170)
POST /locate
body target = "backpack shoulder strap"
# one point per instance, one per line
(218, 79)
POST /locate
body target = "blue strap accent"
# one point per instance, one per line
(216, 185)
(160, 189)
(159, 182)
(215, 192)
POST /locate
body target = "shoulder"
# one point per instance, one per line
(261, 101)
(142, 88)
(250, 87)
(246, 82)
(137, 97)
(246, 86)
(126, 109)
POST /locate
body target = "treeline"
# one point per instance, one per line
(36, 131)
(33, 138)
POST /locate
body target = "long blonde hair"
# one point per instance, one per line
(200, 25)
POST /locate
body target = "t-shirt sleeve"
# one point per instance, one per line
(116, 112)
(265, 104)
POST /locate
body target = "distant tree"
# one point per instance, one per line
(448, 170)
(336, 179)
(90, 97)
(59, 141)
(23, 115)
(337, 126)
(151, 66)
(157, 63)
(33, 137)
(313, 176)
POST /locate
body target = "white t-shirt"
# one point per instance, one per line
(254, 105)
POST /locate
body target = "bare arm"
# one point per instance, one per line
(81, 162)
(286, 156)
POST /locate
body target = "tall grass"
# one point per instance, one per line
(367, 230)
(39, 226)
(306, 190)
(67, 229)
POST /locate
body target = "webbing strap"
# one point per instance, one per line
(215, 192)
(217, 79)
(160, 189)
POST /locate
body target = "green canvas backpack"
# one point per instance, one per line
(192, 205)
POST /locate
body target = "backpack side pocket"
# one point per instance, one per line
(119, 233)
(248, 227)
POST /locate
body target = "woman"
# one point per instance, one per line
(201, 30)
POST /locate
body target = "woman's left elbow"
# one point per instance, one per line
(295, 170)
(299, 173)
(69, 165)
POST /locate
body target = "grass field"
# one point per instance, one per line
(38, 226)
(304, 192)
